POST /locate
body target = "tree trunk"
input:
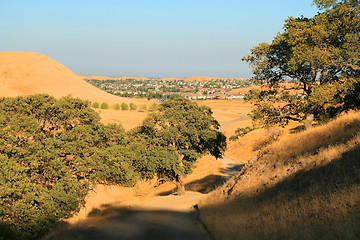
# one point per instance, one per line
(308, 121)
(179, 185)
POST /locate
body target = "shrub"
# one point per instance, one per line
(96, 105)
(133, 106)
(117, 106)
(104, 105)
(124, 107)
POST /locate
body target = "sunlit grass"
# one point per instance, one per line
(304, 186)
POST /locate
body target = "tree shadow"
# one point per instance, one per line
(128, 223)
(7, 231)
(231, 170)
(298, 129)
(203, 185)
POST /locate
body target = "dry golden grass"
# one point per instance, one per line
(293, 88)
(231, 114)
(128, 119)
(24, 73)
(304, 186)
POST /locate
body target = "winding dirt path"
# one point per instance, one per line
(168, 217)
(224, 125)
(159, 217)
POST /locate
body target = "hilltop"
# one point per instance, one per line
(25, 73)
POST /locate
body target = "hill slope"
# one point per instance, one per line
(24, 73)
(303, 186)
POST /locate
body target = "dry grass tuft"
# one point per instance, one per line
(304, 186)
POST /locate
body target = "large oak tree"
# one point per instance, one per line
(51, 151)
(321, 54)
(188, 129)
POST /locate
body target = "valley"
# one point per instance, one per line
(264, 180)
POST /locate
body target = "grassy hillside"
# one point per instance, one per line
(303, 186)
(26, 73)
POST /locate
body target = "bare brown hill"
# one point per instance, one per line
(24, 73)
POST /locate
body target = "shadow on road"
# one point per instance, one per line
(203, 185)
(130, 224)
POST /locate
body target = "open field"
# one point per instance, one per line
(304, 185)
(229, 113)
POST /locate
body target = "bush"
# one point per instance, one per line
(96, 105)
(117, 106)
(104, 105)
(124, 107)
(133, 106)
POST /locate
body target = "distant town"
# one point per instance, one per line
(167, 89)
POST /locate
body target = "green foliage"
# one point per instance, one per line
(50, 152)
(96, 105)
(117, 106)
(154, 106)
(241, 132)
(104, 105)
(321, 54)
(124, 106)
(323, 4)
(187, 131)
(133, 106)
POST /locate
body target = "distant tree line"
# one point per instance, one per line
(52, 151)
(124, 106)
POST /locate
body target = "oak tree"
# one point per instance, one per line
(51, 151)
(186, 129)
(321, 55)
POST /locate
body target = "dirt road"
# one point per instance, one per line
(168, 217)
(157, 217)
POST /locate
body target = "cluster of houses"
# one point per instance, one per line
(213, 95)
(195, 90)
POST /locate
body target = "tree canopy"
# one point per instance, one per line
(53, 151)
(188, 129)
(50, 153)
(321, 54)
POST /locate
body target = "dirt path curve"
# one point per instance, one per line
(168, 217)
(224, 125)
(231, 167)
(159, 217)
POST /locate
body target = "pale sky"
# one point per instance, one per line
(150, 38)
